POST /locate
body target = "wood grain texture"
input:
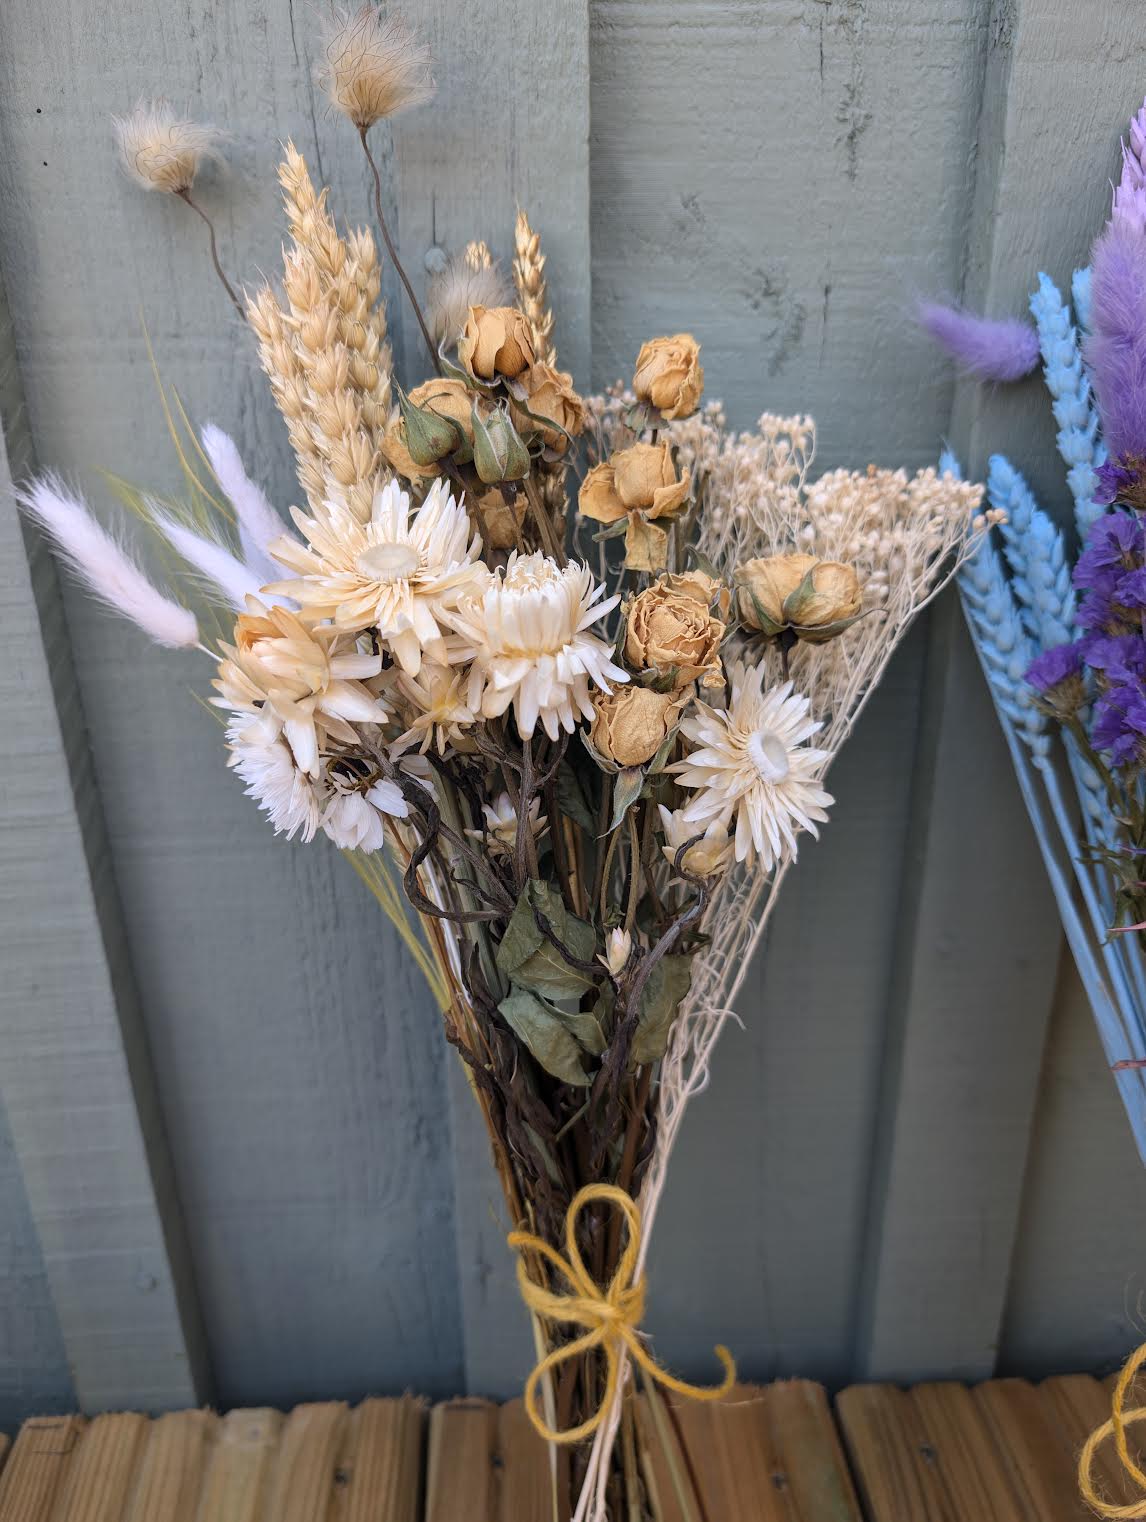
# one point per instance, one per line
(975, 974)
(35, 1468)
(298, 1057)
(76, 1080)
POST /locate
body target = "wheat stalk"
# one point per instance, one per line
(532, 295)
(325, 349)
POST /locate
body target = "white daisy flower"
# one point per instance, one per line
(354, 819)
(312, 678)
(396, 573)
(750, 765)
(529, 637)
(500, 832)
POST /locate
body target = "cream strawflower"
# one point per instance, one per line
(263, 759)
(706, 856)
(438, 710)
(529, 637)
(500, 832)
(751, 765)
(311, 678)
(353, 817)
(396, 573)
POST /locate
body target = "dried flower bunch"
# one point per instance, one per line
(587, 728)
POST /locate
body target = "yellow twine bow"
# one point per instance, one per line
(613, 1314)
(1120, 1419)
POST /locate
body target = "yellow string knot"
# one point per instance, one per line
(612, 1315)
(1120, 1419)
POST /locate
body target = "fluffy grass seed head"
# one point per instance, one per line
(472, 278)
(160, 150)
(374, 66)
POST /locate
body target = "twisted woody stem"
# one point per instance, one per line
(393, 252)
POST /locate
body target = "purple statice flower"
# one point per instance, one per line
(997, 349)
(1058, 664)
(1119, 657)
(1119, 482)
(1120, 723)
(1115, 543)
(1131, 590)
(1116, 349)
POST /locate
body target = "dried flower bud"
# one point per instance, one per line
(816, 599)
(430, 434)
(618, 950)
(705, 857)
(398, 456)
(646, 480)
(630, 724)
(671, 632)
(499, 452)
(549, 394)
(454, 400)
(598, 497)
(496, 341)
(374, 66)
(669, 375)
(161, 151)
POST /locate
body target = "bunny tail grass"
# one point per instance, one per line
(104, 567)
(259, 524)
(996, 349)
(214, 562)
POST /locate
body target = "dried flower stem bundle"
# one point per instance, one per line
(588, 757)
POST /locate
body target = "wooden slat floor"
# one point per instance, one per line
(1001, 1452)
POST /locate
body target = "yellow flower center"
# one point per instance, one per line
(388, 562)
(769, 755)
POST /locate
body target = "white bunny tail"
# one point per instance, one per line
(106, 568)
(259, 524)
(214, 562)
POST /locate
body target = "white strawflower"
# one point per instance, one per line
(530, 640)
(160, 150)
(374, 66)
(618, 949)
(353, 819)
(263, 759)
(438, 713)
(500, 833)
(706, 856)
(750, 764)
(311, 678)
(396, 573)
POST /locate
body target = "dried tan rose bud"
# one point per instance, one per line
(495, 341)
(646, 480)
(630, 724)
(450, 399)
(816, 599)
(499, 524)
(598, 498)
(670, 631)
(399, 458)
(550, 396)
(669, 376)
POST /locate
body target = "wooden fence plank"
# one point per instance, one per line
(99, 1478)
(1034, 1450)
(171, 1469)
(955, 1442)
(380, 1468)
(238, 1476)
(72, 1045)
(304, 1479)
(36, 1467)
(976, 975)
(461, 1477)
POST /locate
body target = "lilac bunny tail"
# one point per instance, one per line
(1130, 192)
(997, 349)
(1115, 352)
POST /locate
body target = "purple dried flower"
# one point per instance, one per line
(1130, 192)
(1116, 349)
(1131, 590)
(1115, 542)
(1058, 664)
(1120, 724)
(998, 349)
(1120, 658)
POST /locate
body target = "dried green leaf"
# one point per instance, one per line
(526, 957)
(540, 1029)
(668, 983)
(571, 798)
(626, 791)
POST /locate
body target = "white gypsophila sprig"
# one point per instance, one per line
(753, 770)
(398, 573)
(161, 150)
(529, 636)
(374, 66)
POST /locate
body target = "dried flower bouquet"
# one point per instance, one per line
(571, 671)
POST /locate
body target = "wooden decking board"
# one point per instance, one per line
(35, 1467)
(1003, 1452)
